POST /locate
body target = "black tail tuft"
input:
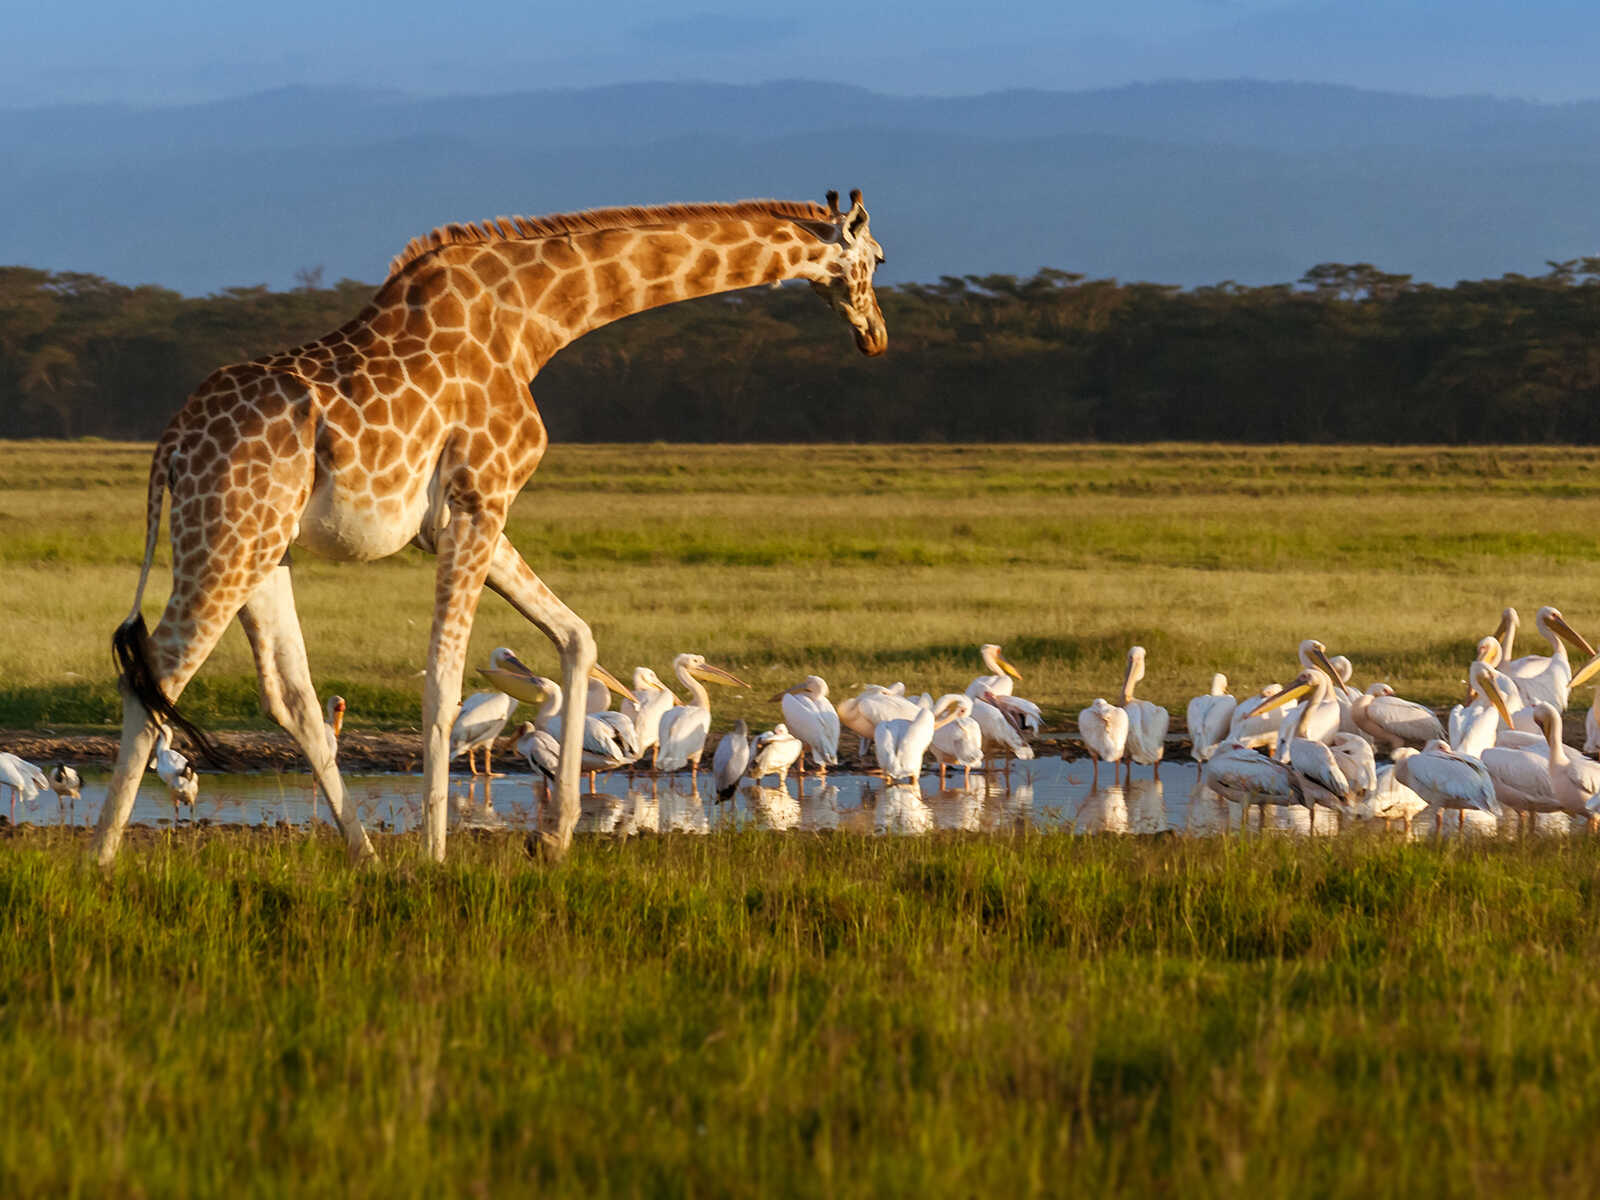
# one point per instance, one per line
(131, 646)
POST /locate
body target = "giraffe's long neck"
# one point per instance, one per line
(525, 300)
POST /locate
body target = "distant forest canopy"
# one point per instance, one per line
(1349, 353)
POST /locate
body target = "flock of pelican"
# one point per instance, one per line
(1500, 751)
(1312, 742)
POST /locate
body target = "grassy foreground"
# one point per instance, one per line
(750, 1014)
(876, 563)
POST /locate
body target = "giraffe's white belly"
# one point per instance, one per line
(341, 524)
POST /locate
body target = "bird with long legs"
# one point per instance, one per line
(21, 779)
(1103, 726)
(1146, 742)
(1447, 780)
(411, 425)
(650, 701)
(685, 726)
(1243, 776)
(811, 717)
(958, 742)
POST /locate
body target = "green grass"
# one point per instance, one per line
(787, 1015)
(876, 563)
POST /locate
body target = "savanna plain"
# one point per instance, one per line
(756, 1014)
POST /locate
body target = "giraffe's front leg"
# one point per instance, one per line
(510, 576)
(464, 548)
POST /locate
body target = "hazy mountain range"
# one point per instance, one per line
(1185, 183)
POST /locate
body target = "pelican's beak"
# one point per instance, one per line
(1499, 705)
(1585, 672)
(1320, 657)
(1570, 635)
(713, 674)
(787, 692)
(1285, 697)
(611, 681)
(1000, 660)
(515, 680)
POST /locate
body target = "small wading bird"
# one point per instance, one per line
(67, 784)
(183, 785)
(731, 760)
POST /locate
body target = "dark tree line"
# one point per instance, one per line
(1348, 353)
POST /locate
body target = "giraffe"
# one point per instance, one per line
(415, 424)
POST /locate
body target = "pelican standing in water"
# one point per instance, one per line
(684, 727)
(873, 704)
(1574, 777)
(811, 717)
(959, 742)
(774, 753)
(1000, 675)
(1147, 722)
(22, 779)
(901, 743)
(602, 749)
(649, 703)
(483, 715)
(1448, 780)
(1240, 774)
(1104, 730)
(1208, 717)
(1546, 677)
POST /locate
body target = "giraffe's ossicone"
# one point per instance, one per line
(413, 423)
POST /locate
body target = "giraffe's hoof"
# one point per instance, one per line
(544, 847)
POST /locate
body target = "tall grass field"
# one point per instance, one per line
(751, 1014)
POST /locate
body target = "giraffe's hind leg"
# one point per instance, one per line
(512, 578)
(289, 698)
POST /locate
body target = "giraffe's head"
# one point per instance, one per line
(847, 281)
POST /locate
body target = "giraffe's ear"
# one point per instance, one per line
(856, 219)
(823, 231)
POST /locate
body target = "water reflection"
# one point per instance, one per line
(1049, 795)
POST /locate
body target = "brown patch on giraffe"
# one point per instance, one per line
(500, 346)
(561, 254)
(613, 279)
(562, 299)
(730, 234)
(480, 321)
(794, 256)
(532, 282)
(660, 255)
(419, 326)
(449, 313)
(607, 244)
(705, 270)
(742, 263)
(658, 294)
(490, 268)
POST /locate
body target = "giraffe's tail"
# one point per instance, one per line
(130, 643)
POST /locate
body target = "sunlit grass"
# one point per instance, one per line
(877, 563)
(794, 1015)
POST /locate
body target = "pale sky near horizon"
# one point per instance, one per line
(182, 51)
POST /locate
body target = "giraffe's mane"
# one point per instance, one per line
(592, 220)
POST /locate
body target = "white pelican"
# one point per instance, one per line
(22, 779)
(684, 727)
(731, 760)
(603, 749)
(875, 703)
(958, 742)
(900, 743)
(1000, 675)
(1240, 774)
(1147, 721)
(1251, 726)
(1208, 717)
(1547, 677)
(1474, 726)
(774, 753)
(1392, 722)
(175, 772)
(1317, 718)
(1336, 771)
(1521, 776)
(1447, 780)
(1591, 726)
(1001, 736)
(812, 718)
(1104, 730)
(650, 701)
(1393, 800)
(1574, 777)
(479, 722)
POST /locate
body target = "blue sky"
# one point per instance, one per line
(179, 51)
